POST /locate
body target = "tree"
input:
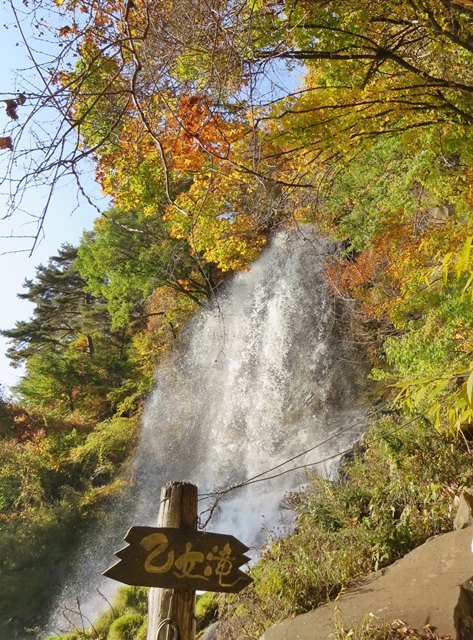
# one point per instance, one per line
(161, 76)
(73, 355)
(63, 309)
(128, 256)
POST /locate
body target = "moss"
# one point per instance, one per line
(125, 627)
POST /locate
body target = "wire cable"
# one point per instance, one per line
(219, 495)
(339, 433)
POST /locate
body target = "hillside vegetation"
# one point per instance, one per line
(203, 150)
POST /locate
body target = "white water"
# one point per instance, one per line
(265, 373)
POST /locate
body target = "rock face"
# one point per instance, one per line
(432, 584)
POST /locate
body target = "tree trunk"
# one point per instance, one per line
(178, 508)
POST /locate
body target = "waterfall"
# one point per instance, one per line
(266, 372)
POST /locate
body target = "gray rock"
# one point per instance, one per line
(464, 515)
(438, 215)
(211, 633)
(223, 631)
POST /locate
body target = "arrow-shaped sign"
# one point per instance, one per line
(181, 559)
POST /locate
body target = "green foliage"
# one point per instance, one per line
(374, 188)
(125, 627)
(57, 286)
(53, 379)
(34, 551)
(124, 620)
(52, 486)
(127, 257)
(403, 209)
(7, 424)
(397, 180)
(105, 448)
(432, 358)
(73, 356)
(132, 598)
(95, 77)
(380, 137)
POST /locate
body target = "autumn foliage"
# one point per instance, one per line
(209, 125)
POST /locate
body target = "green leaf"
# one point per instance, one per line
(464, 258)
(469, 389)
(446, 262)
(438, 388)
(467, 286)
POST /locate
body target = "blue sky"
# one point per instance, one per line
(64, 222)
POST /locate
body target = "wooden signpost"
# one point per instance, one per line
(180, 559)
(174, 556)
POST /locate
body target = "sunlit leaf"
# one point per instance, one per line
(469, 388)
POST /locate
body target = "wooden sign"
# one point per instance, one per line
(181, 559)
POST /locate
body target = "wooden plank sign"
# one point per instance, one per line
(173, 558)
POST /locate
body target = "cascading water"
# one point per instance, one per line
(266, 372)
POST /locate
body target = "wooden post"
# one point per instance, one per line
(178, 508)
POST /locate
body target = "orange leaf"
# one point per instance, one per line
(6, 143)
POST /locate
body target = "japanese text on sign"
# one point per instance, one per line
(181, 559)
